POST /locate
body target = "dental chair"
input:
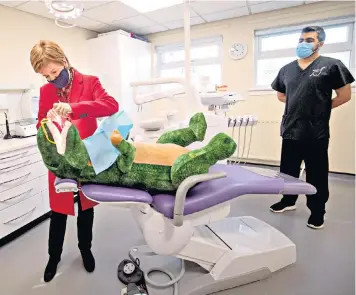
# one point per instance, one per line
(193, 225)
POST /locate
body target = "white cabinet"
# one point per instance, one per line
(117, 60)
(23, 184)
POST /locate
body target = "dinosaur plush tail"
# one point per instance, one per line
(186, 136)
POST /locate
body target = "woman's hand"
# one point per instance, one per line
(62, 109)
(52, 114)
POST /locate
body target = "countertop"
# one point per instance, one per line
(9, 145)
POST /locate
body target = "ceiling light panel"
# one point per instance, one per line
(144, 6)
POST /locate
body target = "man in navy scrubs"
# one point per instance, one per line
(305, 86)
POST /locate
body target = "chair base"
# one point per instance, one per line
(205, 285)
(233, 252)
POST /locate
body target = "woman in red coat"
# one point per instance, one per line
(80, 99)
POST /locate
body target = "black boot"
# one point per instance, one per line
(51, 269)
(88, 260)
(57, 230)
(85, 235)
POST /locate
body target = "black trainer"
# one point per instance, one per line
(88, 260)
(282, 207)
(316, 221)
(51, 269)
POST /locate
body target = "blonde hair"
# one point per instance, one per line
(46, 51)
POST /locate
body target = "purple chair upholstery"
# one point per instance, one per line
(239, 181)
(110, 194)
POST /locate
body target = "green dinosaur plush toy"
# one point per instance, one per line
(160, 166)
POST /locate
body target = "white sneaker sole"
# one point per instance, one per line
(289, 208)
(315, 227)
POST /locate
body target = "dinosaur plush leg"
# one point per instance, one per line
(127, 151)
(186, 136)
(199, 161)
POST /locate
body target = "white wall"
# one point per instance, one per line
(19, 31)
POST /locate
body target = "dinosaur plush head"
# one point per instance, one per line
(57, 143)
(46, 142)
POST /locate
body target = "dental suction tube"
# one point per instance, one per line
(245, 122)
(253, 123)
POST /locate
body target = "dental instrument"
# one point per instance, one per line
(253, 122)
(239, 122)
(244, 123)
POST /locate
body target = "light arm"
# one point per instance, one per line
(186, 88)
(142, 99)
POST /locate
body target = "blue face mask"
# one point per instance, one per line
(62, 80)
(305, 50)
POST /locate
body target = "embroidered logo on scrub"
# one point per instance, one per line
(317, 73)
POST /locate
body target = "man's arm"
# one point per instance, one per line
(341, 82)
(343, 95)
(281, 97)
(278, 85)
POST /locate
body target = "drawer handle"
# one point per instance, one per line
(12, 156)
(15, 167)
(17, 196)
(18, 217)
(18, 178)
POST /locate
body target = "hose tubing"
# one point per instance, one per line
(173, 281)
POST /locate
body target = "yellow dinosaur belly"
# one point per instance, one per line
(158, 154)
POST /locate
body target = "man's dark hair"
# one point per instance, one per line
(319, 30)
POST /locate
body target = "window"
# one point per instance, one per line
(276, 47)
(205, 60)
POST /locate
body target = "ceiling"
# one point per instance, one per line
(105, 16)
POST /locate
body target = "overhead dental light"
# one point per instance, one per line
(64, 10)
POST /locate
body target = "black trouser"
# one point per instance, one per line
(314, 153)
(57, 229)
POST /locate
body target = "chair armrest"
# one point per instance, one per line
(183, 189)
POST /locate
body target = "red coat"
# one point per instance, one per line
(89, 101)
